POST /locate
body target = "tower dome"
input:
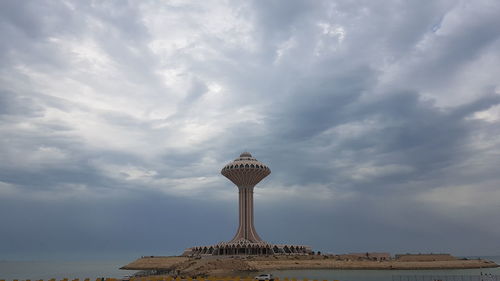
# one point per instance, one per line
(246, 154)
(245, 170)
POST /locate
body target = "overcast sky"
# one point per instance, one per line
(380, 121)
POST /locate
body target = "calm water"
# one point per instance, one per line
(36, 270)
(46, 270)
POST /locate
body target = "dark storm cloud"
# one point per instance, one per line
(475, 34)
(12, 104)
(319, 104)
(117, 116)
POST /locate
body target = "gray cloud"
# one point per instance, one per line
(379, 123)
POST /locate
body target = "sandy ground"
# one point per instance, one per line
(227, 266)
(147, 263)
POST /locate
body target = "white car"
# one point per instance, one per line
(264, 277)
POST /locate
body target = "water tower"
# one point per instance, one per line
(246, 172)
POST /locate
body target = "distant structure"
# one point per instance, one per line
(368, 256)
(246, 172)
(425, 257)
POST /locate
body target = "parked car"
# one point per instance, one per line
(264, 277)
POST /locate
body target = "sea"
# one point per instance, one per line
(44, 270)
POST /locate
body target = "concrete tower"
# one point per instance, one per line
(245, 172)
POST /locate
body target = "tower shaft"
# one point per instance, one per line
(246, 229)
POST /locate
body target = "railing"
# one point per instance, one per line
(483, 277)
(170, 278)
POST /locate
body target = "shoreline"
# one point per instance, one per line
(224, 266)
(383, 266)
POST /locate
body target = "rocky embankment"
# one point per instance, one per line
(237, 265)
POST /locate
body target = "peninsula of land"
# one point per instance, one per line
(241, 265)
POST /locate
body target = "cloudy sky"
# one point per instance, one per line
(380, 121)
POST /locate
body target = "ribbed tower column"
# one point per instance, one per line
(245, 172)
(246, 228)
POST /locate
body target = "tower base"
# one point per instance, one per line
(246, 247)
